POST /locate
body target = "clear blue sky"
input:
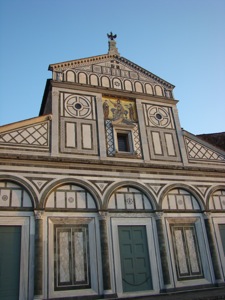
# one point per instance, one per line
(181, 41)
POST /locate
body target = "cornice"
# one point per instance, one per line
(80, 62)
(112, 92)
(146, 72)
(104, 164)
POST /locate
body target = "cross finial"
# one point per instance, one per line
(111, 36)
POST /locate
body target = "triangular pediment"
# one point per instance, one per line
(108, 68)
(198, 150)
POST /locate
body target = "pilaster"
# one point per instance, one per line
(212, 247)
(38, 267)
(162, 247)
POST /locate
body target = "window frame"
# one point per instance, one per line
(90, 222)
(126, 130)
(197, 221)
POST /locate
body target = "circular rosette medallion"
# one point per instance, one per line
(158, 116)
(79, 107)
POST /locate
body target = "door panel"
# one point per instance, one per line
(10, 245)
(135, 264)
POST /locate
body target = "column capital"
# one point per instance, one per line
(38, 214)
(159, 215)
(103, 215)
(207, 214)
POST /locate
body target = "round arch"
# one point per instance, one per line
(132, 184)
(23, 184)
(212, 191)
(185, 187)
(83, 184)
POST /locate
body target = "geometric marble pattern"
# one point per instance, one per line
(202, 189)
(70, 196)
(186, 252)
(111, 143)
(217, 200)
(157, 116)
(14, 196)
(109, 138)
(137, 144)
(31, 135)
(156, 188)
(179, 199)
(71, 257)
(198, 151)
(129, 198)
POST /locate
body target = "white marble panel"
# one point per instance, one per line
(172, 201)
(4, 197)
(188, 202)
(181, 257)
(16, 198)
(120, 201)
(70, 76)
(180, 202)
(192, 251)
(81, 200)
(70, 135)
(82, 78)
(149, 89)
(170, 144)
(64, 257)
(86, 136)
(138, 201)
(50, 201)
(128, 85)
(79, 255)
(157, 143)
(71, 197)
(217, 203)
(105, 81)
(60, 199)
(129, 201)
(112, 204)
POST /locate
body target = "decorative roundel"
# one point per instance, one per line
(158, 116)
(79, 107)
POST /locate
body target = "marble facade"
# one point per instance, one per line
(107, 153)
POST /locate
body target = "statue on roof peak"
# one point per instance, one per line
(111, 36)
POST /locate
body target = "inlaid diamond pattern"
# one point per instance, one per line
(137, 143)
(109, 138)
(34, 135)
(198, 151)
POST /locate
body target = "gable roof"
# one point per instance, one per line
(216, 139)
(83, 63)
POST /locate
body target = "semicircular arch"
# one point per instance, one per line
(215, 199)
(86, 190)
(18, 199)
(182, 194)
(132, 185)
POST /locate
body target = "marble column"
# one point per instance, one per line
(162, 248)
(105, 251)
(38, 267)
(212, 247)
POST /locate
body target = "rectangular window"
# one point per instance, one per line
(186, 252)
(71, 257)
(123, 142)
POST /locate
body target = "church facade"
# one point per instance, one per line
(104, 195)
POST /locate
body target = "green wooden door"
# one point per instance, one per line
(10, 241)
(135, 264)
